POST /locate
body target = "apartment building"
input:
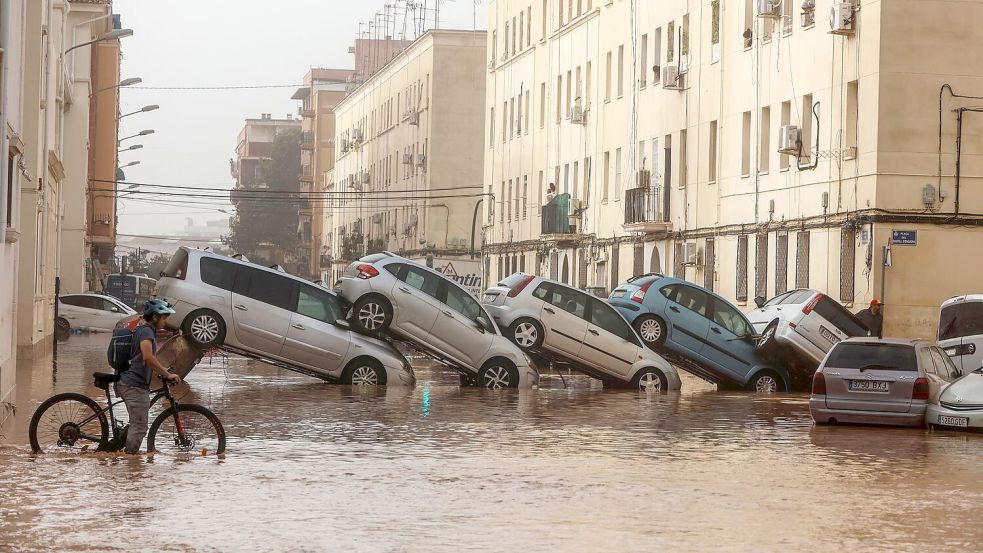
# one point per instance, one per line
(751, 147)
(322, 90)
(408, 165)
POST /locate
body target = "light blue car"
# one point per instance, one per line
(681, 318)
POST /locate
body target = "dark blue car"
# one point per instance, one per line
(692, 322)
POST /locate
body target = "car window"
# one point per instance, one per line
(692, 299)
(839, 317)
(798, 296)
(463, 303)
(71, 300)
(423, 280)
(642, 280)
(542, 291)
(569, 300)
(89, 302)
(604, 316)
(953, 371)
(961, 319)
(777, 299)
(858, 355)
(317, 304)
(397, 270)
(926, 361)
(669, 291)
(217, 272)
(176, 267)
(106, 305)
(940, 365)
(267, 287)
(726, 316)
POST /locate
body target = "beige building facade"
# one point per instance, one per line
(408, 166)
(750, 147)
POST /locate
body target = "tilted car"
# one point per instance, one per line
(879, 381)
(804, 323)
(961, 330)
(541, 314)
(700, 326)
(92, 311)
(389, 293)
(959, 405)
(228, 302)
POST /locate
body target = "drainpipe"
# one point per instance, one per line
(4, 140)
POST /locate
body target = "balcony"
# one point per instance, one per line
(307, 140)
(643, 212)
(307, 174)
(556, 220)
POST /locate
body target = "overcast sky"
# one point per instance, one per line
(226, 43)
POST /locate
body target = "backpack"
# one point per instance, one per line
(120, 351)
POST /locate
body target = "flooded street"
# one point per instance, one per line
(313, 467)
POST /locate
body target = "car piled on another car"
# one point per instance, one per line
(960, 405)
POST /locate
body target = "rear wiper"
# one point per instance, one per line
(878, 366)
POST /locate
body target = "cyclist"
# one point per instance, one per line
(134, 384)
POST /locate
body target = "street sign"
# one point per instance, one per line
(904, 237)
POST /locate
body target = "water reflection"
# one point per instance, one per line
(319, 467)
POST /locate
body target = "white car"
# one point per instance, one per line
(960, 405)
(803, 322)
(92, 311)
(583, 330)
(961, 331)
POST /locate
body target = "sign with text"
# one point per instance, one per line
(904, 237)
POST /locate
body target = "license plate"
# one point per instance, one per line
(618, 294)
(868, 386)
(828, 334)
(961, 422)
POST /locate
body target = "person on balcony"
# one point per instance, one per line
(550, 192)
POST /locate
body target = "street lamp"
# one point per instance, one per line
(144, 132)
(133, 147)
(111, 35)
(130, 164)
(151, 107)
(124, 82)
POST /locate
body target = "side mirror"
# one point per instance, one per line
(342, 323)
(759, 301)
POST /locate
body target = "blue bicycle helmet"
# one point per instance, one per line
(157, 307)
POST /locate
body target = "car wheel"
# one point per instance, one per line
(498, 374)
(363, 372)
(766, 382)
(62, 329)
(767, 347)
(650, 380)
(372, 314)
(526, 333)
(652, 330)
(205, 328)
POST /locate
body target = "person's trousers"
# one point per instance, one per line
(138, 408)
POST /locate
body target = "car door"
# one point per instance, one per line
(457, 328)
(107, 314)
(729, 345)
(416, 305)
(314, 339)
(945, 372)
(71, 309)
(563, 319)
(610, 345)
(686, 317)
(262, 306)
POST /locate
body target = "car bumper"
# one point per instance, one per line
(398, 376)
(788, 337)
(933, 412)
(503, 315)
(824, 415)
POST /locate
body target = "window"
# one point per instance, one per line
(643, 61)
(587, 86)
(266, 286)
(941, 368)
(522, 29)
(607, 78)
(764, 131)
(505, 49)
(859, 355)
(574, 190)
(925, 357)
(712, 162)
(851, 114)
(802, 259)
(671, 42)
(318, 304)
(781, 264)
(545, 19)
(508, 203)
(709, 265)
(463, 303)
(423, 280)
(571, 301)
(607, 176)
(177, 267)
(656, 56)
(491, 126)
(525, 195)
(621, 71)
(528, 120)
(746, 145)
(218, 273)
(748, 23)
(617, 174)
(10, 191)
(691, 298)
(742, 268)
(511, 117)
(559, 96)
(505, 121)
(569, 102)
(806, 126)
(604, 316)
(761, 265)
(528, 26)
(950, 367)
(715, 30)
(516, 198)
(543, 290)
(682, 158)
(541, 195)
(542, 104)
(783, 160)
(848, 253)
(684, 41)
(728, 317)
(586, 179)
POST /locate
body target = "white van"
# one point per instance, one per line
(961, 331)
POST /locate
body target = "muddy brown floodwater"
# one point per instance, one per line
(316, 467)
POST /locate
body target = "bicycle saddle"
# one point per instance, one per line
(103, 380)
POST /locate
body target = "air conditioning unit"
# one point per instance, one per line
(421, 160)
(414, 118)
(841, 18)
(578, 116)
(643, 179)
(671, 79)
(407, 159)
(356, 135)
(691, 254)
(770, 9)
(601, 256)
(363, 177)
(789, 138)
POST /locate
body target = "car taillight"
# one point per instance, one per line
(920, 391)
(818, 384)
(366, 271)
(812, 304)
(639, 294)
(521, 286)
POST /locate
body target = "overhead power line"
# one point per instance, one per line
(218, 87)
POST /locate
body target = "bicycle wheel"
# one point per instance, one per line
(68, 422)
(201, 432)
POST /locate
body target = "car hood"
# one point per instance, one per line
(967, 390)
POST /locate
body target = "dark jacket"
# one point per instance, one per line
(875, 323)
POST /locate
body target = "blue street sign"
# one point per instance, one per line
(904, 237)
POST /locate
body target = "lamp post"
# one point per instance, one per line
(133, 147)
(111, 35)
(144, 109)
(144, 132)
(124, 82)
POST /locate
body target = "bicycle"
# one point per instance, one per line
(74, 422)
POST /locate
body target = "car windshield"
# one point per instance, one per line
(777, 299)
(961, 319)
(866, 356)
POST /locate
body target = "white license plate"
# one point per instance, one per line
(828, 334)
(961, 422)
(618, 294)
(868, 386)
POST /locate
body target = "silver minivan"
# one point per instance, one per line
(961, 331)
(244, 307)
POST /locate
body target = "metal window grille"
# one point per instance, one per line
(709, 263)
(501, 267)
(848, 255)
(522, 263)
(582, 267)
(679, 255)
(639, 267)
(554, 266)
(781, 265)
(742, 268)
(614, 266)
(487, 270)
(802, 259)
(761, 265)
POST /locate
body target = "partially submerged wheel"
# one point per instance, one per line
(205, 328)
(498, 374)
(68, 422)
(652, 330)
(651, 380)
(371, 314)
(766, 382)
(767, 347)
(363, 372)
(526, 333)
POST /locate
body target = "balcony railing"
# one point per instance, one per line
(556, 215)
(642, 205)
(307, 139)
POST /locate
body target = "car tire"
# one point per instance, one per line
(371, 314)
(364, 372)
(204, 328)
(62, 329)
(526, 333)
(653, 327)
(767, 346)
(497, 374)
(766, 382)
(650, 380)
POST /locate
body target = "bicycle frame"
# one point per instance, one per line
(163, 392)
